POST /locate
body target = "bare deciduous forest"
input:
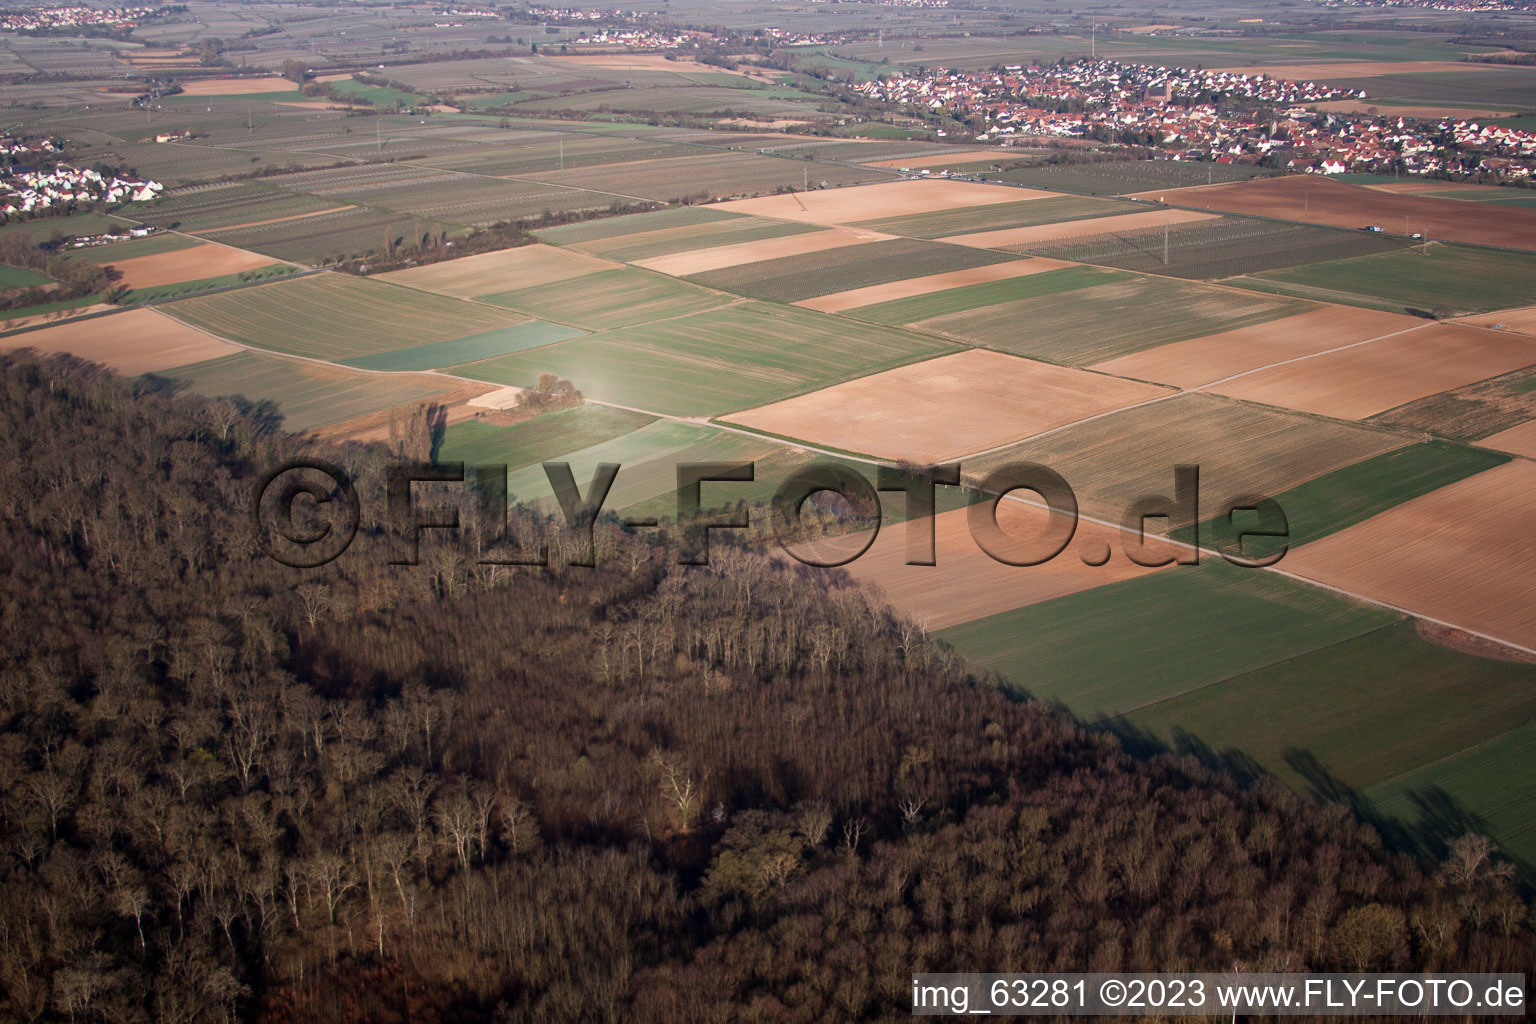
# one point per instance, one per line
(235, 791)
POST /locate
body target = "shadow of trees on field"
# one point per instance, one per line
(1437, 817)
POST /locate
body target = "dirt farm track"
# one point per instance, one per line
(1314, 199)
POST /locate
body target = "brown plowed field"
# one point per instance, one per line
(698, 261)
(487, 273)
(1521, 320)
(1041, 233)
(132, 342)
(966, 583)
(1188, 364)
(1313, 199)
(944, 408)
(237, 86)
(887, 199)
(1462, 554)
(194, 264)
(1358, 382)
(1519, 440)
(857, 297)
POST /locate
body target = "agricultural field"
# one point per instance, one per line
(1118, 179)
(1487, 783)
(1316, 200)
(1189, 364)
(965, 583)
(648, 457)
(312, 240)
(578, 235)
(1129, 313)
(308, 395)
(715, 362)
(611, 298)
(913, 287)
(132, 342)
(876, 202)
(223, 206)
(468, 349)
(1293, 718)
(180, 265)
(720, 257)
(116, 252)
(538, 153)
(20, 277)
(1049, 278)
(649, 245)
(1112, 650)
(1241, 449)
(1521, 320)
(1448, 278)
(332, 316)
(1471, 413)
(1370, 378)
(469, 277)
(1518, 440)
(1340, 499)
(534, 441)
(1453, 554)
(1226, 247)
(910, 413)
(1029, 238)
(792, 278)
(1025, 213)
(715, 175)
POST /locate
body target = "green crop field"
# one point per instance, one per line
(1473, 412)
(715, 174)
(650, 244)
(1117, 648)
(324, 236)
(116, 252)
(792, 278)
(1240, 448)
(634, 223)
(717, 361)
(1381, 704)
(306, 395)
(1219, 248)
(332, 316)
(42, 229)
(1351, 495)
(1467, 280)
(20, 277)
(1485, 788)
(1090, 325)
(183, 289)
(538, 440)
(1120, 178)
(469, 349)
(995, 217)
(550, 153)
(205, 208)
(979, 296)
(611, 298)
(648, 459)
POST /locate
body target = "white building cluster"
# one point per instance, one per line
(74, 17)
(63, 187)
